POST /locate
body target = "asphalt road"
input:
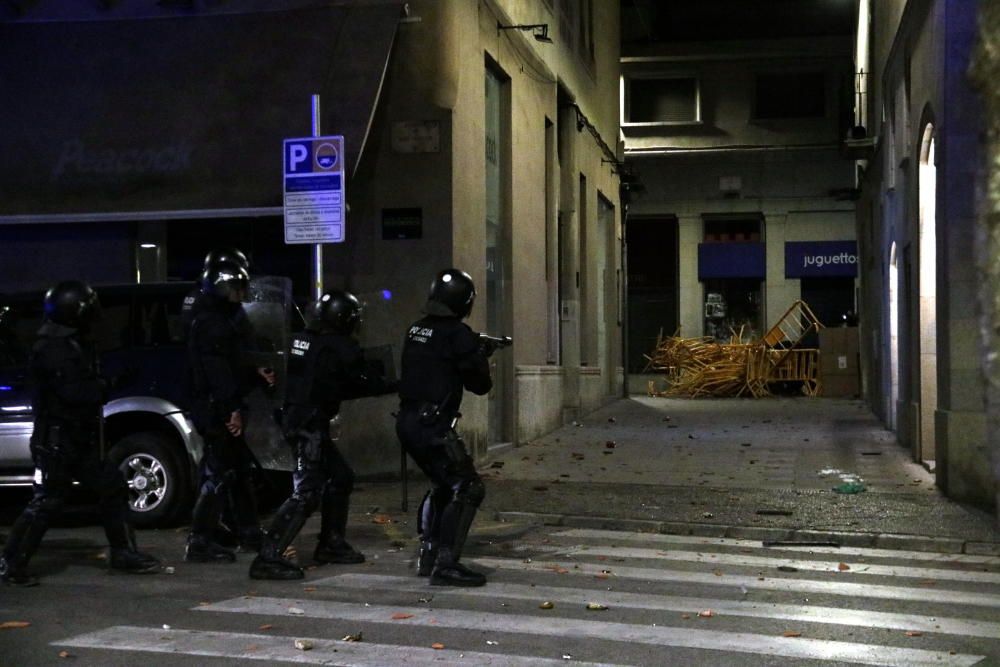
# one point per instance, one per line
(665, 600)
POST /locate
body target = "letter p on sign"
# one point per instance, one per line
(297, 159)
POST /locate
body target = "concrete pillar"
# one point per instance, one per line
(690, 234)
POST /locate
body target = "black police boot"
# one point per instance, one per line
(12, 575)
(337, 550)
(276, 568)
(133, 562)
(425, 558)
(449, 572)
(201, 550)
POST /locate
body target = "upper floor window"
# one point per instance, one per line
(790, 95)
(661, 100)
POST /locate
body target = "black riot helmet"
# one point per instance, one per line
(233, 255)
(335, 312)
(72, 303)
(452, 294)
(225, 280)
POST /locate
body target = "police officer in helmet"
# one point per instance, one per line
(325, 367)
(221, 379)
(67, 397)
(230, 532)
(441, 358)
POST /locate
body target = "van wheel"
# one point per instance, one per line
(157, 487)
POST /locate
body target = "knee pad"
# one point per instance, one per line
(470, 492)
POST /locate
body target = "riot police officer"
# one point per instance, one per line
(220, 379)
(325, 367)
(230, 532)
(441, 357)
(67, 395)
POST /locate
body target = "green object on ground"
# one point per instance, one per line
(849, 487)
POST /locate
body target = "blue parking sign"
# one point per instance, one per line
(314, 190)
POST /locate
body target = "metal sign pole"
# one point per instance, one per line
(317, 263)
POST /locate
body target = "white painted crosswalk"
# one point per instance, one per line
(733, 602)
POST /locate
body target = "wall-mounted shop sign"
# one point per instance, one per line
(402, 223)
(731, 260)
(813, 259)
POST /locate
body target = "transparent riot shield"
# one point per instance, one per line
(269, 307)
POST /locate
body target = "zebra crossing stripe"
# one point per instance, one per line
(804, 613)
(741, 560)
(659, 538)
(752, 582)
(273, 648)
(559, 627)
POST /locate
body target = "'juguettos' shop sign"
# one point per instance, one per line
(810, 259)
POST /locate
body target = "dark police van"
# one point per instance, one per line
(147, 431)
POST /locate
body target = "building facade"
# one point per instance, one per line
(478, 133)
(922, 182)
(747, 204)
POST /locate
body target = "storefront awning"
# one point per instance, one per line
(179, 113)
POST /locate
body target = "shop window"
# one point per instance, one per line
(732, 308)
(783, 95)
(661, 100)
(732, 231)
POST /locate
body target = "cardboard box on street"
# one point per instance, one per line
(840, 386)
(839, 362)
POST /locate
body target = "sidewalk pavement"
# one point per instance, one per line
(760, 469)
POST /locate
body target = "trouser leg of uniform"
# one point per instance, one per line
(456, 520)
(109, 483)
(336, 495)
(51, 483)
(287, 523)
(241, 496)
(215, 477)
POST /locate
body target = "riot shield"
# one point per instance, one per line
(269, 308)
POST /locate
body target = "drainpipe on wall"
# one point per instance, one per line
(985, 71)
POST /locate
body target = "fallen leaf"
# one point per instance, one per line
(252, 647)
(399, 616)
(14, 625)
(65, 654)
(309, 589)
(596, 606)
(303, 644)
(600, 576)
(610, 444)
(352, 638)
(381, 519)
(437, 646)
(546, 605)
(843, 566)
(685, 616)
(706, 613)
(295, 611)
(791, 633)
(266, 626)
(914, 633)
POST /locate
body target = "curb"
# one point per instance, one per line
(890, 541)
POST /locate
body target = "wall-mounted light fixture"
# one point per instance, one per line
(540, 31)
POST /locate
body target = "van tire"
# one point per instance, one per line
(159, 490)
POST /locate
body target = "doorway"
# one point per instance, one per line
(653, 297)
